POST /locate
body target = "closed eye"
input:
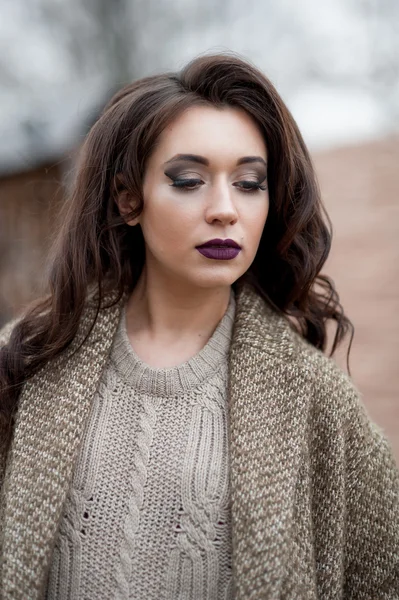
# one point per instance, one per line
(250, 186)
(186, 184)
(192, 184)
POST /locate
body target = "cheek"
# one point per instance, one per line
(255, 220)
(167, 223)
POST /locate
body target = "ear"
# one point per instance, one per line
(124, 199)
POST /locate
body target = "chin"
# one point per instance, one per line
(217, 279)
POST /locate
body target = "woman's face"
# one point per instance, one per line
(205, 180)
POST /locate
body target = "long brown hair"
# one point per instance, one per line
(95, 248)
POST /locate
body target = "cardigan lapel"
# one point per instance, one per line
(267, 423)
(53, 410)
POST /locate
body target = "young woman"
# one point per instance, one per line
(171, 427)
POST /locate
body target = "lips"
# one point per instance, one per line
(218, 243)
(219, 249)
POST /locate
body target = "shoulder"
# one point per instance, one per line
(337, 405)
(274, 344)
(338, 420)
(88, 311)
(322, 370)
(259, 326)
(332, 392)
(330, 385)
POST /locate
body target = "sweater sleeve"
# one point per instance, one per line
(372, 497)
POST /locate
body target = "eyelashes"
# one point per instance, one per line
(186, 184)
(250, 186)
(191, 184)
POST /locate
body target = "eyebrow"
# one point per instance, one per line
(204, 161)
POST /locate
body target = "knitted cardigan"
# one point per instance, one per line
(314, 484)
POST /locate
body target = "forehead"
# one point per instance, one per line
(212, 132)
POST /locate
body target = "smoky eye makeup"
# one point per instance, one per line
(180, 174)
(247, 180)
(251, 185)
(258, 171)
(183, 177)
(257, 177)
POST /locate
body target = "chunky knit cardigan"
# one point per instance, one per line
(315, 487)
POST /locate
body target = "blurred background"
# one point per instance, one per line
(336, 65)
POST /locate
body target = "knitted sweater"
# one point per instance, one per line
(148, 511)
(314, 484)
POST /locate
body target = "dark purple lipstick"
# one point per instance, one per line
(219, 249)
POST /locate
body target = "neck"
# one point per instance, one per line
(165, 311)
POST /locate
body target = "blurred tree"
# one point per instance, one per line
(95, 35)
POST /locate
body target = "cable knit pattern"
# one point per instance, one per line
(313, 508)
(154, 465)
(204, 500)
(135, 502)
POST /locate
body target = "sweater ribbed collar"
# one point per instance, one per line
(179, 379)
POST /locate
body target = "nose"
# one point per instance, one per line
(220, 207)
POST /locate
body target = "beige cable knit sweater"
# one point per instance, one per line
(314, 484)
(148, 511)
